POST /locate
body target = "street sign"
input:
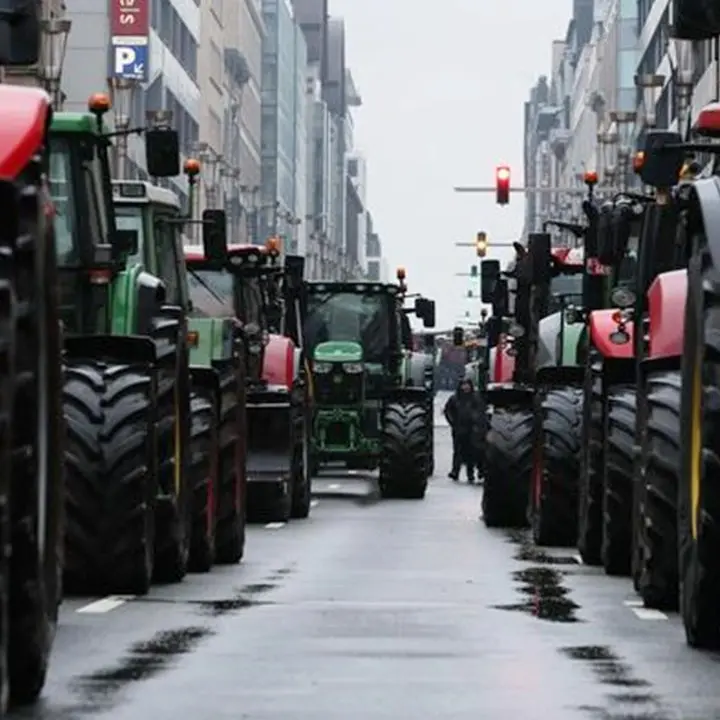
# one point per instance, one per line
(130, 62)
(129, 17)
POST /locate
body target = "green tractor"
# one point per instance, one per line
(373, 395)
(265, 296)
(217, 406)
(128, 399)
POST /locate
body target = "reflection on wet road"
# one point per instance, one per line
(381, 610)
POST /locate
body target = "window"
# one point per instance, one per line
(167, 261)
(63, 197)
(129, 217)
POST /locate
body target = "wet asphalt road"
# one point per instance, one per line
(397, 609)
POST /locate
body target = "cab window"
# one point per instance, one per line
(166, 251)
(63, 196)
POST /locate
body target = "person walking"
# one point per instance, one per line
(464, 412)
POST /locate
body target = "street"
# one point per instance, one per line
(395, 609)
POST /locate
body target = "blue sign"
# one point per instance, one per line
(130, 62)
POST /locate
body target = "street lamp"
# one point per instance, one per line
(624, 122)
(607, 141)
(210, 160)
(122, 91)
(55, 33)
(651, 85)
(683, 75)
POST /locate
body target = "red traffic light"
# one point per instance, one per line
(502, 184)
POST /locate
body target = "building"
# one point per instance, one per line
(150, 53)
(355, 264)
(377, 269)
(284, 124)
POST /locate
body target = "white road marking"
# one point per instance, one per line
(275, 525)
(649, 614)
(334, 486)
(105, 605)
(314, 503)
(633, 603)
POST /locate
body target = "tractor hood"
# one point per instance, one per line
(210, 339)
(549, 350)
(338, 351)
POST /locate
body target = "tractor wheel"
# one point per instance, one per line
(556, 466)
(301, 481)
(590, 496)
(173, 515)
(508, 468)
(699, 495)
(7, 383)
(404, 462)
(231, 492)
(111, 482)
(203, 476)
(658, 532)
(618, 480)
(37, 437)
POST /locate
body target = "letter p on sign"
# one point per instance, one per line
(124, 56)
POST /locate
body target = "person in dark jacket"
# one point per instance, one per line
(465, 414)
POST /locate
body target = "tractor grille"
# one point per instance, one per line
(337, 434)
(338, 387)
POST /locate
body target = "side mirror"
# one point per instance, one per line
(425, 311)
(125, 242)
(663, 160)
(295, 270)
(214, 235)
(539, 247)
(162, 152)
(458, 337)
(20, 32)
(489, 276)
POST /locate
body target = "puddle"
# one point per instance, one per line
(528, 552)
(143, 661)
(257, 588)
(546, 596)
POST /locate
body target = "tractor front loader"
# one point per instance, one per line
(268, 302)
(31, 423)
(127, 396)
(372, 401)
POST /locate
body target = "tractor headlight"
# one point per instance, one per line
(353, 368)
(322, 368)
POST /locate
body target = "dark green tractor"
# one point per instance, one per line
(372, 401)
(127, 396)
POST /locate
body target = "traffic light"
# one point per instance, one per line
(502, 184)
(473, 271)
(470, 293)
(481, 245)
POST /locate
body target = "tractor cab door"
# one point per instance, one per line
(170, 261)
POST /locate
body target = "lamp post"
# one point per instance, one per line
(607, 141)
(210, 160)
(651, 86)
(624, 121)
(53, 47)
(122, 93)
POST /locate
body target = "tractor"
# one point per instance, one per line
(533, 435)
(266, 297)
(373, 394)
(31, 423)
(216, 371)
(127, 395)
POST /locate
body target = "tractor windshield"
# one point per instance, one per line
(212, 293)
(129, 217)
(63, 195)
(355, 317)
(252, 298)
(565, 290)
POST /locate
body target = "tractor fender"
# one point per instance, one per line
(601, 327)
(705, 197)
(26, 114)
(508, 394)
(279, 363)
(205, 377)
(123, 349)
(416, 368)
(407, 394)
(666, 306)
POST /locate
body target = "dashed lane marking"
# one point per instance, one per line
(275, 525)
(635, 602)
(314, 503)
(649, 614)
(334, 486)
(111, 602)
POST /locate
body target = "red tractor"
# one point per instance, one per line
(31, 419)
(267, 299)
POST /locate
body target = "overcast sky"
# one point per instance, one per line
(443, 86)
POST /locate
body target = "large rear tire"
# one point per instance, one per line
(699, 477)
(660, 457)
(232, 482)
(404, 462)
(111, 479)
(556, 466)
(508, 467)
(590, 496)
(37, 483)
(618, 480)
(203, 476)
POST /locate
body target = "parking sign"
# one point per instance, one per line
(130, 62)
